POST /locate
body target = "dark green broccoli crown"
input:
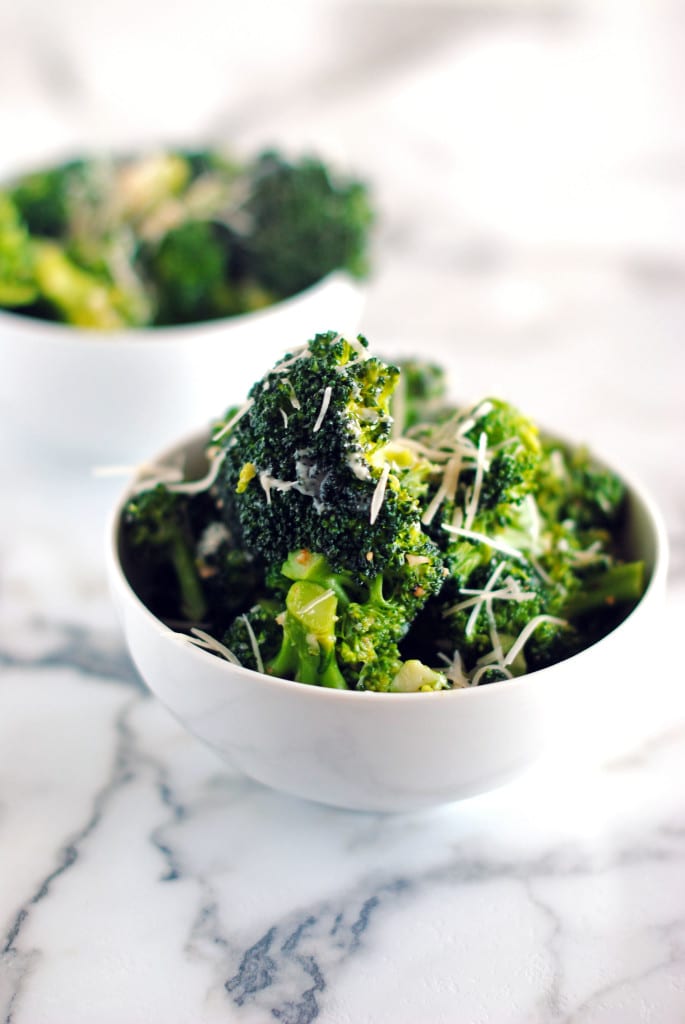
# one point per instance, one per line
(574, 488)
(188, 269)
(304, 223)
(160, 546)
(45, 198)
(153, 516)
(304, 465)
(255, 636)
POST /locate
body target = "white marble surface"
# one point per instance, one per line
(530, 165)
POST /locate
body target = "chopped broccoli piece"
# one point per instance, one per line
(157, 532)
(45, 198)
(525, 536)
(18, 285)
(304, 224)
(189, 271)
(255, 636)
(83, 298)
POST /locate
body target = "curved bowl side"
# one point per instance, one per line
(92, 397)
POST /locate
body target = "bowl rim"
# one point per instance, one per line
(200, 329)
(119, 580)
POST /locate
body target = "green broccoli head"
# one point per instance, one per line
(160, 546)
(304, 224)
(46, 199)
(534, 569)
(255, 635)
(372, 616)
(18, 285)
(303, 466)
(85, 298)
(188, 268)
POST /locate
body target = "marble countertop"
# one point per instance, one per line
(530, 166)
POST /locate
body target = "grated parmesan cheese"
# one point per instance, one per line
(482, 538)
(527, 632)
(253, 643)
(379, 494)
(328, 391)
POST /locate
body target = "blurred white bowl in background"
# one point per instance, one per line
(89, 398)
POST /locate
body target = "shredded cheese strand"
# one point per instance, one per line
(209, 643)
(481, 466)
(328, 391)
(316, 601)
(455, 671)
(198, 486)
(379, 494)
(234, 419)
(473, 617)
(527, 632)
(481, 538)
(505, 594)
(480, 672)
(253, 643)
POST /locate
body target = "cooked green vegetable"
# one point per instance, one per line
(18, 286)
(304, 224)
(156, 525)
(175, 237)
(334, 549)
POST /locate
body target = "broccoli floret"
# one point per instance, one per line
(232, 579)
(310, 483)
(420, 396)
(189, 269)
(534, 570)
(160, 546)
(45, 199)
(255, 636)
(304, 463)
(17, 277)
(304, 224)
(370, 623)
(82, 297)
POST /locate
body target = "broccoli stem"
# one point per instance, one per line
(619, 584)
(307, 651)
(193, 603)
(307, 565)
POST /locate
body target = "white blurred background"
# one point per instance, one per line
(527, 159)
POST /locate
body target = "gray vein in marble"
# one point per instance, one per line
(283, 969)
(128, 761)
(92, 654)
(14, 959)
(276, 972)
(631, 982)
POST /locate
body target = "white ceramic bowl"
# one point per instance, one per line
(403, 751)
(90, 398)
